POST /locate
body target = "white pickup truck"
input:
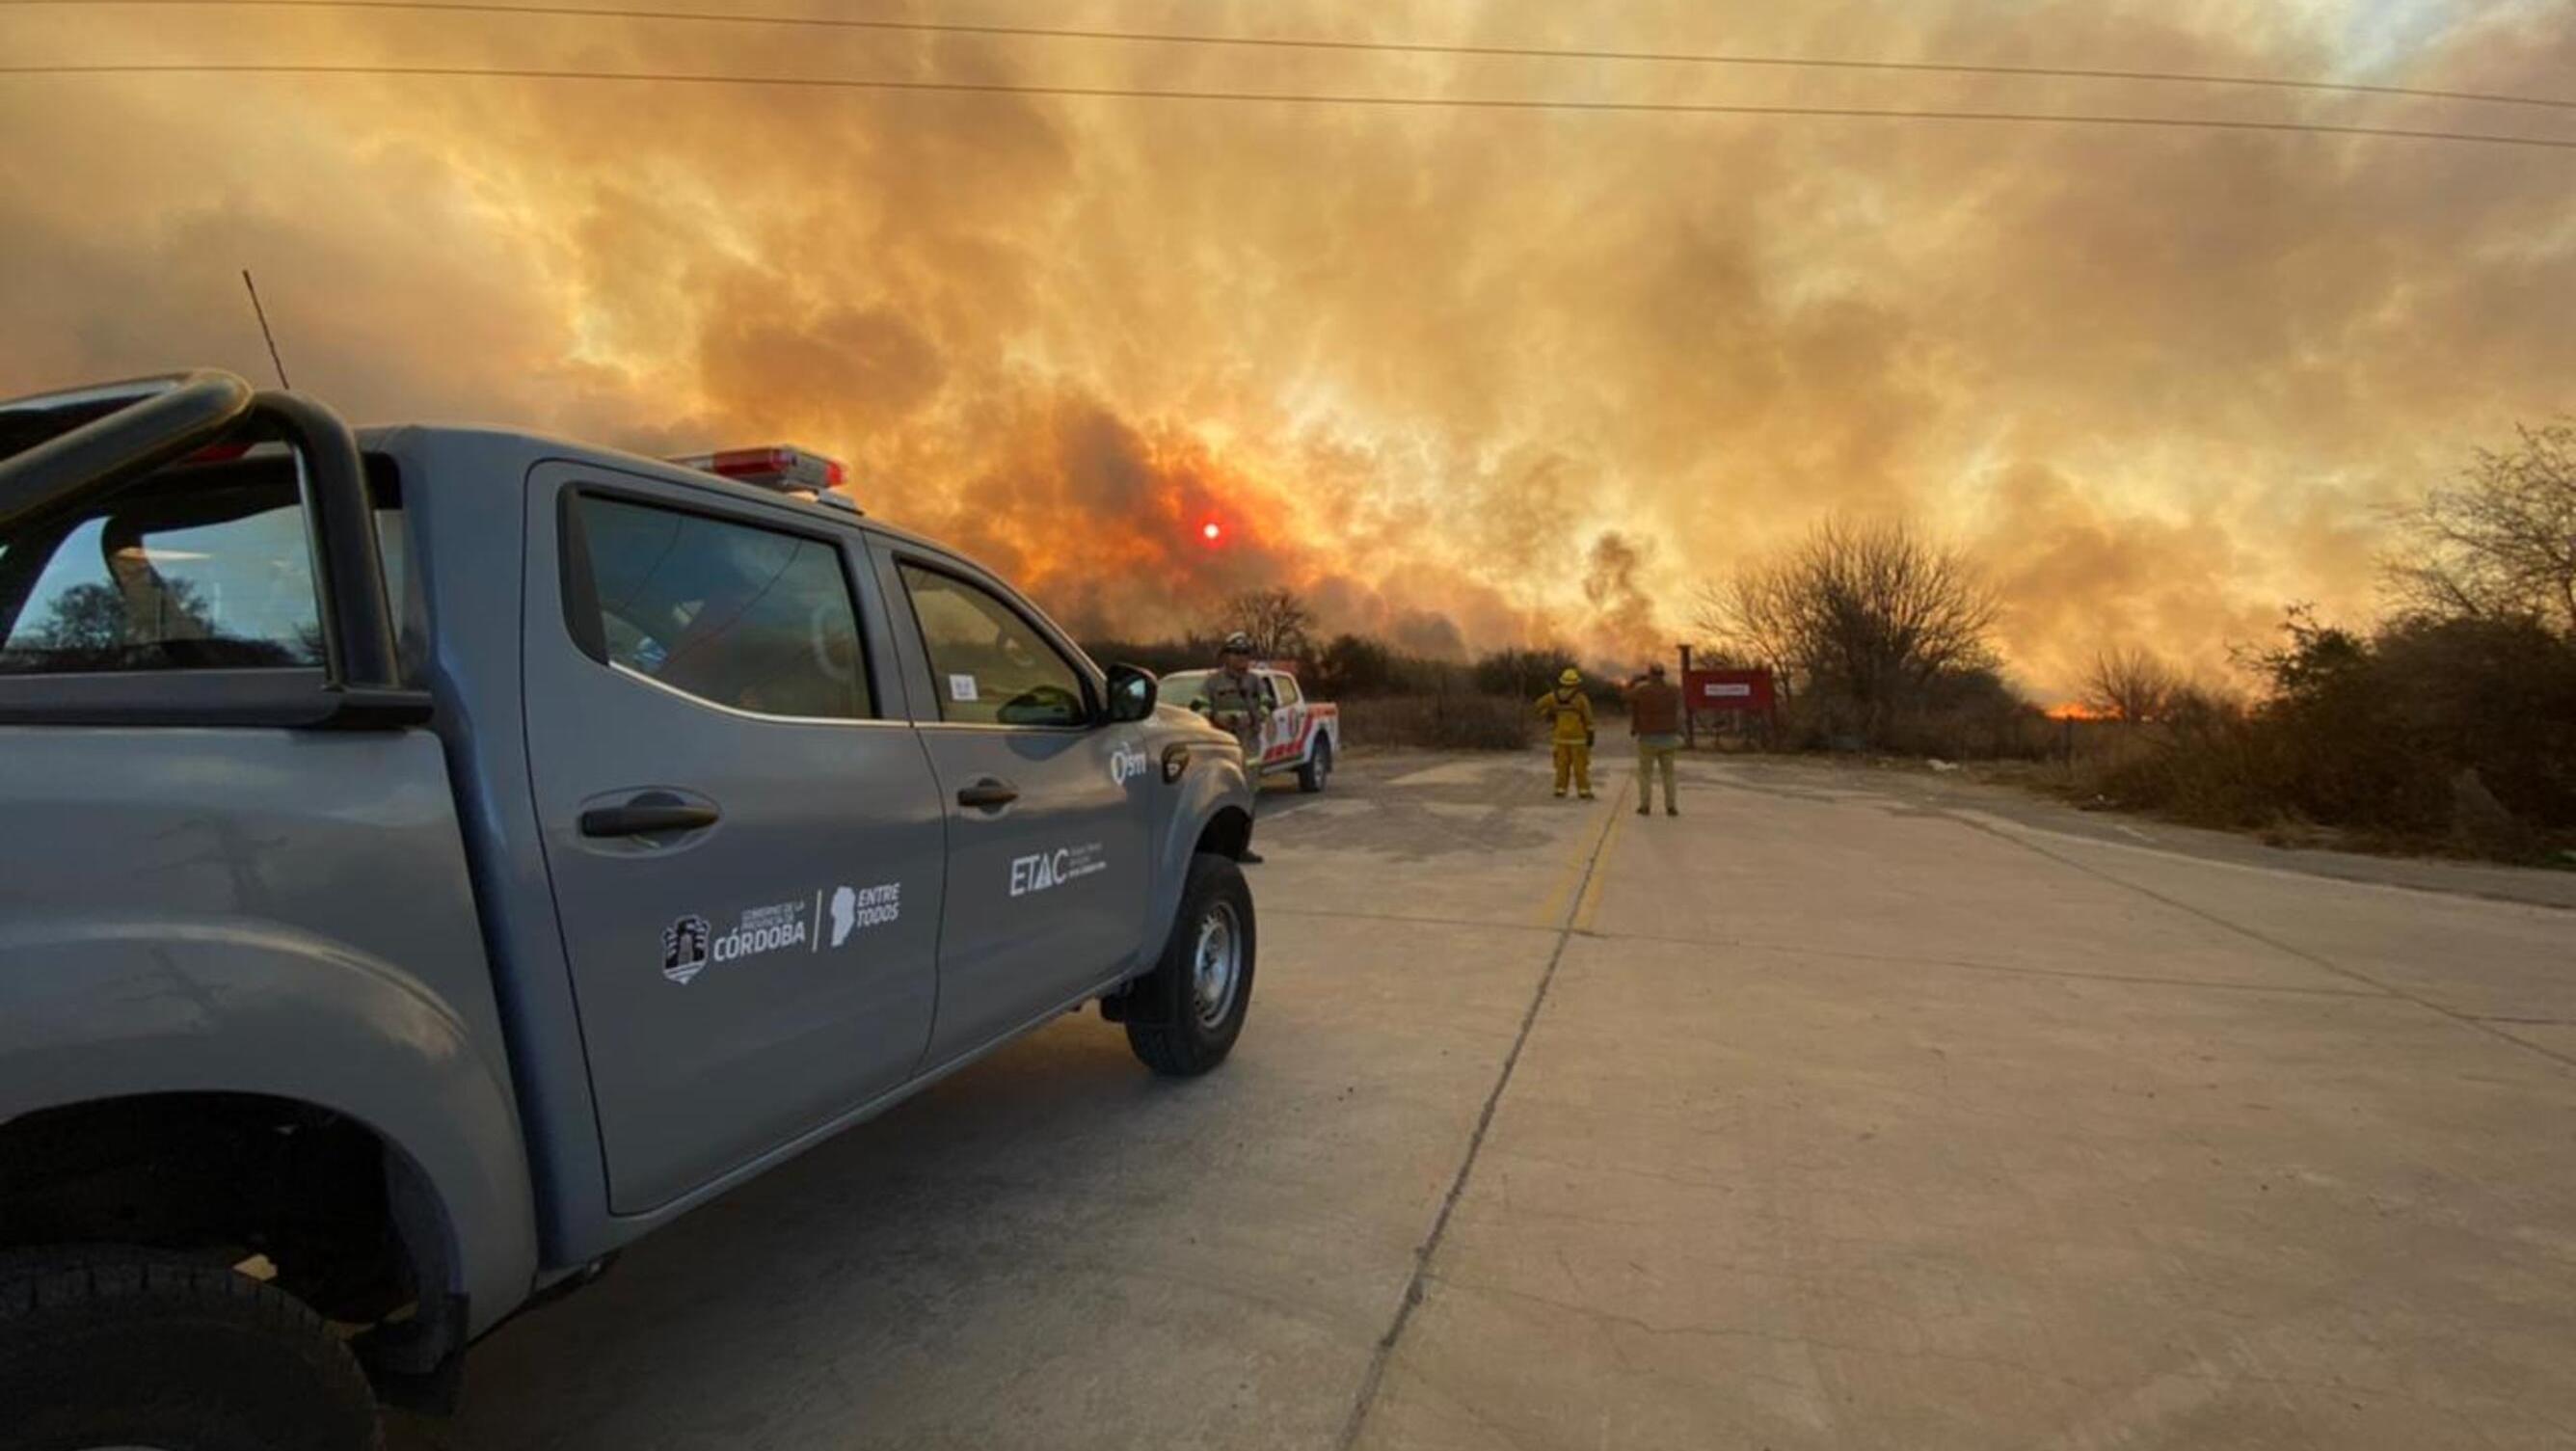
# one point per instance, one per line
(1297, 734)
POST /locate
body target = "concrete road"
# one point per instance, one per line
(1835, 1112)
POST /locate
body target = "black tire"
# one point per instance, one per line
(1319, 765)
(129, 1347)
(1185, 1040)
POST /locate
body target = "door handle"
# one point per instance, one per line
(645, 817)
(988, 794)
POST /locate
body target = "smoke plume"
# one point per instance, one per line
(1465, 378)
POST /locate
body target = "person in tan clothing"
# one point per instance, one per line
(1655, 719)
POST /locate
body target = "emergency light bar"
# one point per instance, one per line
(783, 468)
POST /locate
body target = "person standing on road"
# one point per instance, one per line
(1235, 706)
(1655, 718)
(1569, 711)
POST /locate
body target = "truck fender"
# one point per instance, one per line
(1207, 791)
(92, 1011)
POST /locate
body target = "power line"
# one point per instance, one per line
(1303, 98)
(1380, 47)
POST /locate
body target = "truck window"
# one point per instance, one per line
(1288, 692)
(203, 568)
(989, 666)
(729, 613)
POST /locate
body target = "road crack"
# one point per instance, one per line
(1416, 1283)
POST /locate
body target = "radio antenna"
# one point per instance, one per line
(265, 335)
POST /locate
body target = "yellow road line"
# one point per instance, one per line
(1591, 902)
(1551, 910)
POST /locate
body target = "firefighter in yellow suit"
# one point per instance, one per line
(1569, 712)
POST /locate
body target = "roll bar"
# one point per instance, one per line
(358, 647)
(116, 433)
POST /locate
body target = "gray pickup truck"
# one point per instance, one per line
(431, 858)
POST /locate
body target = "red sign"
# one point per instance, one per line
(1738, 690)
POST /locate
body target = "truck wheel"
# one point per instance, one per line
(133, 1348)
(1319, 766)
(1204, 982)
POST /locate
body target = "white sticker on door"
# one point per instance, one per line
(961, 687)
(857, 908)
(1051, 869)
(684, 948)
(691, 944)
(1126, 763)
(765, 929)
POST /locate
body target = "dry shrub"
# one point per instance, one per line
(1457, 721)
(1972, 715)
(1956, 715)
(2206, 762)
(2454, 735)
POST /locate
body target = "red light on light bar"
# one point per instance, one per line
(746, 463)
(778, 467)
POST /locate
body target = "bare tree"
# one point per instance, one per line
(1710, 654)
(1861, 616)
(2500, 543)
(2133, 685)
(1276, 619)
(1741, 619)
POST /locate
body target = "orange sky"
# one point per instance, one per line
(1464, 377)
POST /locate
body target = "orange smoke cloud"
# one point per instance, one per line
(1465, 379)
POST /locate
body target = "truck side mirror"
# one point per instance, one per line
(1132, 693)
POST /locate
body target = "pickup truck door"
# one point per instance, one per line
(1049, 862)
(1282, 742)
(746, 853)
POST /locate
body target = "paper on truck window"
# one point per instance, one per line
(961, 687)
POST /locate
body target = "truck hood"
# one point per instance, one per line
(1182, 719)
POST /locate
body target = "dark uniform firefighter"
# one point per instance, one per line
(1235, 705)
(1569, 713)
